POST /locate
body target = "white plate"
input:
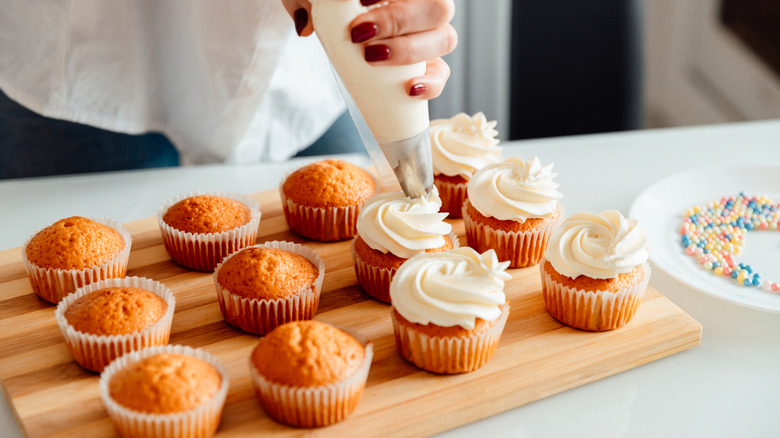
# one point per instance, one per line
(661, 208)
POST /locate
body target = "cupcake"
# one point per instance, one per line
(512, 208)
(109, 318)
(199, 229)
(321, 201)
(595, 271)
(263, 286)
(459, 147)
(168, 391)
(74, 252)
(449, 309)
(392, 228)
(309, 374)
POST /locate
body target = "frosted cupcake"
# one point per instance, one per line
(460, 146)
(391, 228)
(199, 229)
(109, 318)
(595, 271)
(449, 309)
(74, 252)
(512, 207)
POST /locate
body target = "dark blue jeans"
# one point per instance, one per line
(32, 145)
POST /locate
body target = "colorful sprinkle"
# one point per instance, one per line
(715, 232)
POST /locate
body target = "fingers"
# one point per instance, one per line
(409, 49)
(300, 12)
(431, 84)
(402, 17)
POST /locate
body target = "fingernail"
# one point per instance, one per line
(363, 32)
(301, 18)
(369, 2)
(417, 89)
(377, 52)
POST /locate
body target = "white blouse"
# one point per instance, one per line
(226, 81)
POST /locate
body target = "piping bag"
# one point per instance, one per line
(393, 125)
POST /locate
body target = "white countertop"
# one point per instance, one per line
(729, 385)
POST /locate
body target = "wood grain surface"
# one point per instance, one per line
(537, 356)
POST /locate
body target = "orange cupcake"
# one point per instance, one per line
(449, 309)
(109, 318)
(200, 229)
(267, 285)
(172, 391)
(460, 146)
(321, 201)
(512, 208)
(74, 252)
(309, 374)
(392, 228)
(595, 271)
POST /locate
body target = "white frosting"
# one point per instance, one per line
(597, 245)
(403, 226)
(378, 91)
(450, 288)
(515, 190)
(462, 144)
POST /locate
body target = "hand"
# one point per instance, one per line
(398, 33)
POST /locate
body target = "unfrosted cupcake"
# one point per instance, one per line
(169, 391)
(199, 229)
(460, 146)
(109, 318)
(322, 200)
(512, 208)
(449, 309)
(309, 374)
(595, 271)
(391, 228)
(267, 285)
(74, 252)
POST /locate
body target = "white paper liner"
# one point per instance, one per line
(375, 280)
(203, 251)
(199, 422)
(95, 352)
(452, 196)
(448, 355)
(53, 284)
(520, 248)
(592, 310)
(316, 406)
(260, 316)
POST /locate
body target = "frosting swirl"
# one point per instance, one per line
(462, 144)
(403, 226)
(515, 190)
(450, 288)
(597, 245)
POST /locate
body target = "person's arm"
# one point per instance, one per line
(398, 33)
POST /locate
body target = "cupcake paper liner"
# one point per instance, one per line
(520, 248)
(448, 355)
(199, 422)
(95, 352)
(260, 316)
(316, 406)
(592, 310)
(53, 284)
(375, 280)
(452, 196)
(203, 251)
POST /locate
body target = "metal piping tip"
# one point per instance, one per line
(412, 164)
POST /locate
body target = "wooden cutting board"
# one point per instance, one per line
(537, 356)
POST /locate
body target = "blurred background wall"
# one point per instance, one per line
(563, 67)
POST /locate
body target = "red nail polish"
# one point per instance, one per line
(301, 18)
(363, 32)
(377, 52)
(369, 2)
(417, 89)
